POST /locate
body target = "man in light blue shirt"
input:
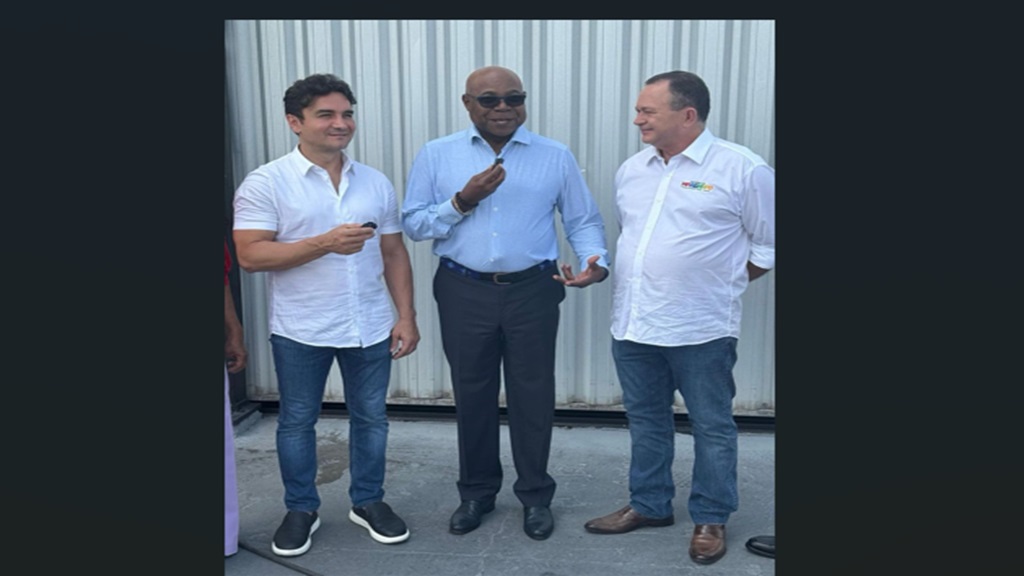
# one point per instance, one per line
(487, 196)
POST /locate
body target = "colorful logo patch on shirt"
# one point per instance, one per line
(702, 186)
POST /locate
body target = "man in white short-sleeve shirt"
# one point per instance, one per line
(326, 231)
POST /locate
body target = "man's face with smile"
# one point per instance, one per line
(327, 124)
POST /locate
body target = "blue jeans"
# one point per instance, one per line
(301, 378)
(702, 373)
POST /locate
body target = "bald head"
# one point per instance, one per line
(489, 75)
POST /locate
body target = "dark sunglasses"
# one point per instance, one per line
(492, 101)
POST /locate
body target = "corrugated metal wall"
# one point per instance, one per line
(583, 78)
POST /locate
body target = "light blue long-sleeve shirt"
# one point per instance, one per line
(513, 228)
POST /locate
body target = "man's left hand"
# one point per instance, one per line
(405, 336)
(592, 273)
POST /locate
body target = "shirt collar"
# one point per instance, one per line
(521, 135)
(698, 149)
(304, 165)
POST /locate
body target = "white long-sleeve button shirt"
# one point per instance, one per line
(688, 229)
(335, 300)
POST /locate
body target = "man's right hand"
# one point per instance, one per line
(484, 184)
(345, 239)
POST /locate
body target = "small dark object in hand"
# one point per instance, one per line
(370, 225)
(499, 160)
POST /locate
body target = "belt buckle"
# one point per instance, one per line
(495, 278)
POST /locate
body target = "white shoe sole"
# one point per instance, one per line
(302, 549)
(378, 537)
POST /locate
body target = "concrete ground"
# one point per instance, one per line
(589, 463)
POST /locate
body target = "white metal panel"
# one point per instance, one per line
(582, 77)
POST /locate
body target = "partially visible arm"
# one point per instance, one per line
(754, 272)
(758, 217)
(427, 214)
(234, 340)
(405, 336)
(584, 227)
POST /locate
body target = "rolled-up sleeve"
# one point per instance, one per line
(759, 215)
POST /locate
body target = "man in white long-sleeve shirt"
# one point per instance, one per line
(697, 219)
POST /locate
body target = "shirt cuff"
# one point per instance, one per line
(447, 213)
(762, 256)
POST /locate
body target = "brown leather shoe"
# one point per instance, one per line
(708, 543)
(624, 520)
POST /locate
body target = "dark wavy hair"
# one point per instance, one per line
(304, 91)
(687, 90)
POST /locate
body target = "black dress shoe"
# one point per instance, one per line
(467, 516)
(538, 523)
(762, 546)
